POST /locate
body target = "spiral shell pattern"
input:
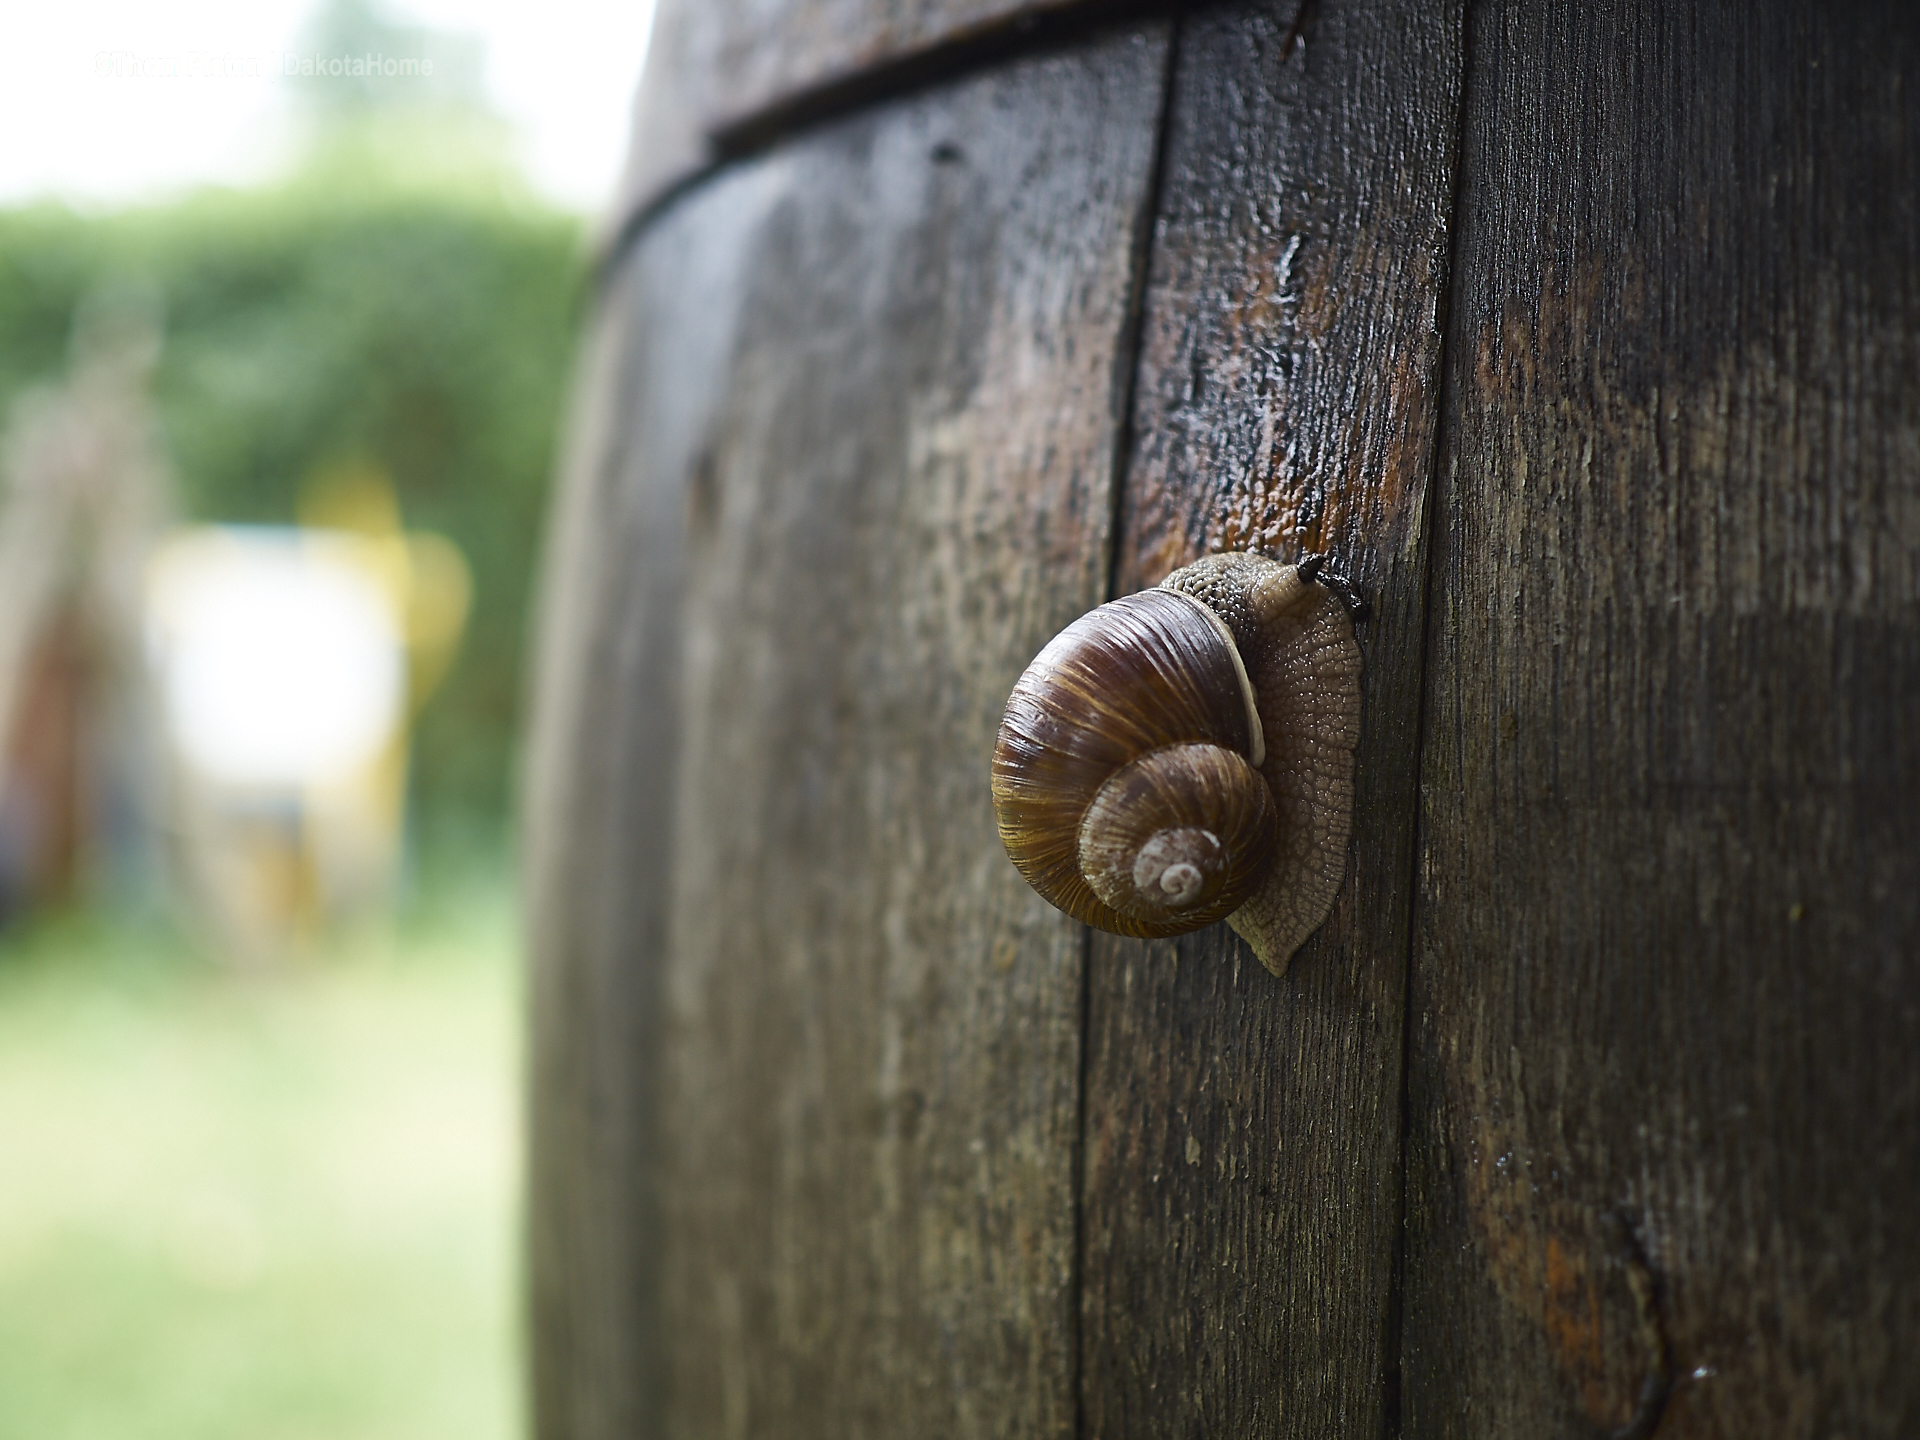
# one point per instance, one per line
(1124, 774)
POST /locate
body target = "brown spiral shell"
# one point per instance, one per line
(1125, 774)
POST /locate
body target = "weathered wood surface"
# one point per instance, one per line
(1666, 996)
(863, 468)
(1633, 883)
(1243, 1133)
(597, 829)
(714, 66)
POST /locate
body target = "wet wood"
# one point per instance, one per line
(1665, 1068)
(714, 66)
(807, 1050)
(1243, 1133)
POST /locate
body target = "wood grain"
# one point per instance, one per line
(874, 424)
(597, 831)
(1665, 1067)
(714, 66)
(1243, 1133)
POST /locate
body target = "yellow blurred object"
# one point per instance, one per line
(426, 573)
(356, 496)
(439, 591)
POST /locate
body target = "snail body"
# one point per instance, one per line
(1185, 754)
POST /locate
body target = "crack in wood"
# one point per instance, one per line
(1651, 1330)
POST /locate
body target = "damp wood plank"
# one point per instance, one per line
(1241, 1191)
(716, 66)
(873, 429)
(1664, 1072)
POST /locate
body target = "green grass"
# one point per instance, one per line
(278, 1208)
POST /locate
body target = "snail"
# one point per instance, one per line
(1185, 755)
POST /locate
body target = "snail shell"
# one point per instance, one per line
(1124, 778)
(1185, 754)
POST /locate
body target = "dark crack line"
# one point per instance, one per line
(1651, 1329)
(1127, 361)
(1394, 1344)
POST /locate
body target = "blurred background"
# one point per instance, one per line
(288, 296)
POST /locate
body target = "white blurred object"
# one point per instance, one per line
(288, 663)
(280, 656)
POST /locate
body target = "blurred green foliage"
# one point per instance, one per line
(401, 299)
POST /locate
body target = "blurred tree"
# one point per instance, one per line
(401, 299)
